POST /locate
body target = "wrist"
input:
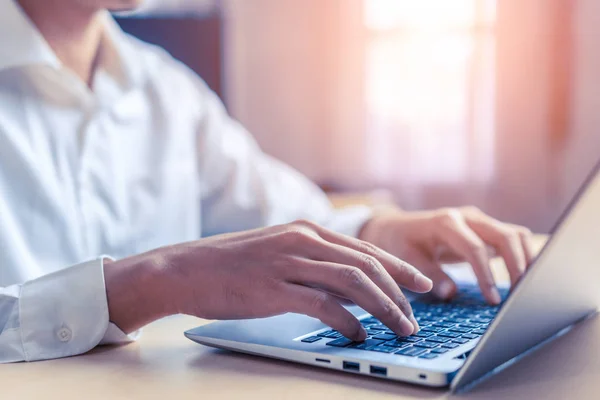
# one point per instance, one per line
(136, 291)
(373, 231)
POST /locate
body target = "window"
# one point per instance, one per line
(430, 90)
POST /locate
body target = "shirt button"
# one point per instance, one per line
(64, 334)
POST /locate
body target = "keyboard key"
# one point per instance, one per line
(448, 334)
(431, 329)
(481, 320)
(440, 350)
(466, 313)
(437, 339)
(324, 334)
(424, 334)
(367, 344)
(335, 335)
(341, 342)
(410, 339)
(423, 317)
(429, 356)
(469, 325)
(478, 331)
(411, 351)
(385, 336)
(397, 344)
(379, 327)
(426, 345)
(461, 330)
(450, 345)
(456, 319)
(460, 340)
(384, 349)
(370, 320)
(469, 336)
(443, 325)
(311, 339)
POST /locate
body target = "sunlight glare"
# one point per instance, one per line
(420, 15)
(420, 66)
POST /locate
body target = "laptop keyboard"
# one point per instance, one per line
(444, 326)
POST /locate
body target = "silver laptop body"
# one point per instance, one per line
(560, 289)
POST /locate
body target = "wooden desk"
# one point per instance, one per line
(165, 365)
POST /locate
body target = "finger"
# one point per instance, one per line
(443, 286)
(320, 305)
(447, 256)
(505, 240)
(352, 283)
(342, 300)
(402, 272)
(454, 232)
(306, 243)
(369, 262)
(527, 242)
(374, 270)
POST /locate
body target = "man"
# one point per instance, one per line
(109, 146)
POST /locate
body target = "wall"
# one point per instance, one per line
(522, 189)
(542, 162)
(283, 70)
(583, 150)
(277, 55)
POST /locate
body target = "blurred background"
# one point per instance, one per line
(434, 102)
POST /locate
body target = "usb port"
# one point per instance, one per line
(381, 371)
(351, 366)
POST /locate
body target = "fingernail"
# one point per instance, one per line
(444, 289)
(362, 334)
(406, 327)
(423, 282)
(495, 296)
(415, 324)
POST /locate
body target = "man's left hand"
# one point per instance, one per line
(429, 239)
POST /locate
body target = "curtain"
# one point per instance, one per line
(443, 102)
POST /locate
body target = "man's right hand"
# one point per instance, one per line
(298, 267)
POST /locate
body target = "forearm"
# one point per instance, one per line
(137, 290)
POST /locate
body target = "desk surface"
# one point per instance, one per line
(164, 364)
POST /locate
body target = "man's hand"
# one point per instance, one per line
(428, 239)
(298, 267)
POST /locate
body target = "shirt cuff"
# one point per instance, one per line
(114, 335)
(66, 313)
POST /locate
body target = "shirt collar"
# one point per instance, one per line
(27, 47)
(21, 43)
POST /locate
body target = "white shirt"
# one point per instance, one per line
(148, 158)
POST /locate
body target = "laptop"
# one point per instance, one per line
(462, 341)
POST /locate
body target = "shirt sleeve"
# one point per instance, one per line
(61, 314)
(244, 188)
